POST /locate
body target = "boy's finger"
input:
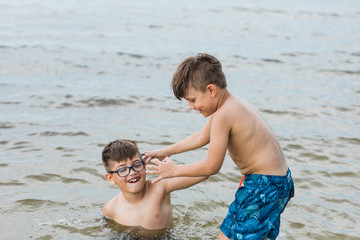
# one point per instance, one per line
(145, 157)
(152, 172)
(156, 180)
(152, 167)
(156, 161)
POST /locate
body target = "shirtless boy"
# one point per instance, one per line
(141, 202)
(236, 126)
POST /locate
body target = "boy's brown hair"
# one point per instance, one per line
(117, 151)
(197, 72)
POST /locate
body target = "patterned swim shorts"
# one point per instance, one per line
(255, 212)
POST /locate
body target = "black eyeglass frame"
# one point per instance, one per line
(131, 167)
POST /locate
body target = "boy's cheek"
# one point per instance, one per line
(143, 173)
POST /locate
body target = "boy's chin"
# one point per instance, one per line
(138, 185)
(205, 114)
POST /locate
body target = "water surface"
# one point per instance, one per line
(77, 75)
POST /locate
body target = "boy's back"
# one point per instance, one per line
(252, 145)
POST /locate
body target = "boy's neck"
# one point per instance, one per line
(223, 94)
(135, 197)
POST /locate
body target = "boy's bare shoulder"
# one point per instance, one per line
(109, 207)
(156, 188)
(233, 107)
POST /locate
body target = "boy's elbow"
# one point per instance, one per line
(212, 170)
(202, 140)
(215, 171)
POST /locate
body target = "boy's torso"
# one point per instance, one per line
(252, 144)
(153, 211)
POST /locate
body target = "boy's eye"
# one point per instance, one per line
(138, 165)
(122, 170)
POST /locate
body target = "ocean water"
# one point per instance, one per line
(75, 75)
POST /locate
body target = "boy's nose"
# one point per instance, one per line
(132, 171)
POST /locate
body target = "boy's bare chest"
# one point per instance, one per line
(149, 214)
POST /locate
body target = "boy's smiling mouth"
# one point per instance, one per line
(134, 180)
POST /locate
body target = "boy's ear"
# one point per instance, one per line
(211, 88)
(109, 177)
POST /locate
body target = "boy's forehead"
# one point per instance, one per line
(115, 163)
(190, 92)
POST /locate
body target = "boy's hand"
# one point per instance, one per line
(165, 169)
(153, 154)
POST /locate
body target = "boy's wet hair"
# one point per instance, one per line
(118, 151)
(197, 72)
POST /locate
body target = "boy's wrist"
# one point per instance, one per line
(166, 152)
(181, 170)
(175, 172)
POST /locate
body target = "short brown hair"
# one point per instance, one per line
(118, 151)
(197, 72)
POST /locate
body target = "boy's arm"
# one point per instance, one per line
(220, 130)
(177, 183)
(107, 210)
(191, 142)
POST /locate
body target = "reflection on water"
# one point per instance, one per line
(76, 75)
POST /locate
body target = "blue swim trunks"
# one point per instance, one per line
(255, 212)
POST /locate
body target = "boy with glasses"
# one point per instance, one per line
(141, 202)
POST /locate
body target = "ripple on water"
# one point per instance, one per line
(137, 56)
(64, 149)
(104, 102)
(49, 177)
(32, 204)
(272, 60)
(341, 72)
(12, 183)
(52, 134)
(20, 145)
(355, 141)
(314, 156)
(11, 103)
(6, 125)
(91, 171)
(97, 102)
(295, 114)
(294, 147)
(346, 174)
(86, 227)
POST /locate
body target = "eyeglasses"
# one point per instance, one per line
(125, 171)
